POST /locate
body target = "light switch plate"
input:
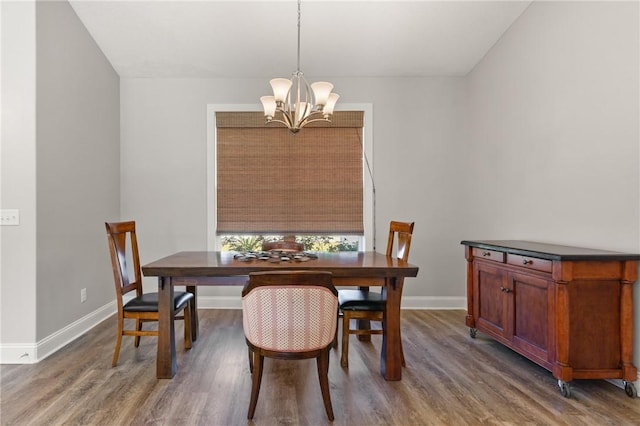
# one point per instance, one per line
(9, 217)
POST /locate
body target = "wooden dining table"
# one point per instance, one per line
(205, 268)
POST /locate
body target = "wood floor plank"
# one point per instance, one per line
(450, 379)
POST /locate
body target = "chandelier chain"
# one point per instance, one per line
(298, 67)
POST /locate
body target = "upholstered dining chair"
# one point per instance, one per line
(363, 304)
(289, 315)
(125, 262)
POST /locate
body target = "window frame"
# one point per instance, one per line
(367, 241)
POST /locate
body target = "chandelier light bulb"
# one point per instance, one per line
(269, 105)
(321, 92)
(331, 103)
(280, 88)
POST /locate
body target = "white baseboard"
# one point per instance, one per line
(30, 353)
(428, 302)
(18, 353)
(219, 302)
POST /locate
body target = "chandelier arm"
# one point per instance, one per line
(307, 121)
(288, 121)
(277, 121)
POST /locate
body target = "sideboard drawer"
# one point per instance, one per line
(496, 256)
(530, 262)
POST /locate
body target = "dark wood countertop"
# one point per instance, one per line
(549, 251)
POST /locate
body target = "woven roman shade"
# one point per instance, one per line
(270, 181)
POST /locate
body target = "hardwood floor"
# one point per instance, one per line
(450, 379)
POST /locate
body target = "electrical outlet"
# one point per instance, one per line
(10, 217)
(83, 295)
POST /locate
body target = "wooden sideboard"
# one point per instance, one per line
(568, 309)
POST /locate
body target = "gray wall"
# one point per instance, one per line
(60, 167)
(78, 167)
(553, 130)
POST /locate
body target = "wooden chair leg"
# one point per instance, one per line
(364, 324)
(116, 354)
(250, 360)
(335, 336)
(323, 375)
(404, 364)
(258, 361)
(344, 359)
(136, 340)
(187, 326)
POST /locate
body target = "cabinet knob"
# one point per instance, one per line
(486, 253)
(527, 262)
(505, 289)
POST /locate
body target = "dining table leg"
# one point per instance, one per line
(362, 324)
(391, 355)
(166, 359)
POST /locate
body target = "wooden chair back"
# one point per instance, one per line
(289, 278)
(403, 231)
(125, 259)
(283, 245)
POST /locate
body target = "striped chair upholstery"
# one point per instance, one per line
(290, 318)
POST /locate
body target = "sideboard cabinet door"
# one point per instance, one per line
(491, 305)
(533, 317)
(516, 309)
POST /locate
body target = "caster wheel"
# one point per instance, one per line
(565, 390)
(473, 333)
(630, 390)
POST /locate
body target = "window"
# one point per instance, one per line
(268, 182)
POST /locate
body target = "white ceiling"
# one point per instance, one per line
(234, 38)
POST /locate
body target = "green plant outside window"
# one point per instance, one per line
(312, 243)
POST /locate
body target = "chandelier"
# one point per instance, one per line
(297, 102)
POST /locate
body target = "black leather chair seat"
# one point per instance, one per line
(148, 302)
(359, 300)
